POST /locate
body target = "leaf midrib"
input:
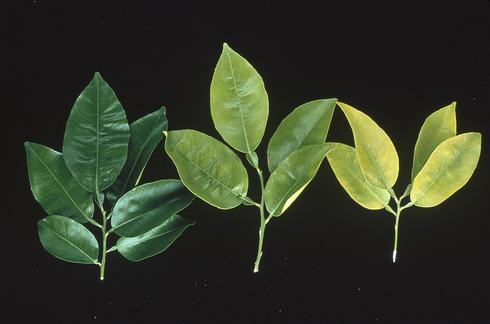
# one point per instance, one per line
(239, 102)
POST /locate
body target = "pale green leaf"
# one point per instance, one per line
(239, 103)
(448, 168)
(376, 153)
(437, 128)
(345, 165)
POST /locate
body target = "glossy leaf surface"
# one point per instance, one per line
(376, 153)
(448, 169)
(153, 242)
(306, 125)
(344, 163)
(149, 205)
(239, 103)
(95, 145)
(53, 185)
(145, 134)
(68, 240)
(437, 128)
(208, 168)
(291, 177)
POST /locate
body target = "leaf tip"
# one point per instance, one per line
(165, 133)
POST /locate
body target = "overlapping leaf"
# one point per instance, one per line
(149, 205)
(438, 127)
(53, 185)
(208, 168)
(153, 242)
(448, 168)
(292, 176)
(145, 134)
(345, 165)
(376, 153)
(308, 124)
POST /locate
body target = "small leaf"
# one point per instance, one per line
(253, 159)
(53, 185)
(68, 240)
(145, 134)
(95, 145)
(375, 151)
(208, 168)
(149, 205)
(239, 103)
(344, 163)
(437, 128)
(291, 177)
(153, 242)
(448, 169)
(306, 125)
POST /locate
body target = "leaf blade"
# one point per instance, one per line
(447, 170)
(53, 185)
(208, 168)
(438, 127)
(95, 144)
(154, 241)
(148, 206)
(145, 135)
(239, 102)
(306, 125)
(377, 155)
(292, 176)
(344, 163)
(68, 240)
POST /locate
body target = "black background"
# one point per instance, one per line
(326, 258)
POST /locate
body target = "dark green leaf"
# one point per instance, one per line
(68, 240)
(95, 146)
(153, 242)
(149, 205)
(146, 133)
(53, 185)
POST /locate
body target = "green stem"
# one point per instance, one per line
(262, 222)
(105, 234)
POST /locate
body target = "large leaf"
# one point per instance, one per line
(306, 125)
(95, 145)
(145, 133)
(239, 103)
(291, 177)
(344, 163)
(448, 169)
(437, 128)
(149, 205)
(68, 240)
(376, 153)
(53, 185)
(153, 242)
(208, 168)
